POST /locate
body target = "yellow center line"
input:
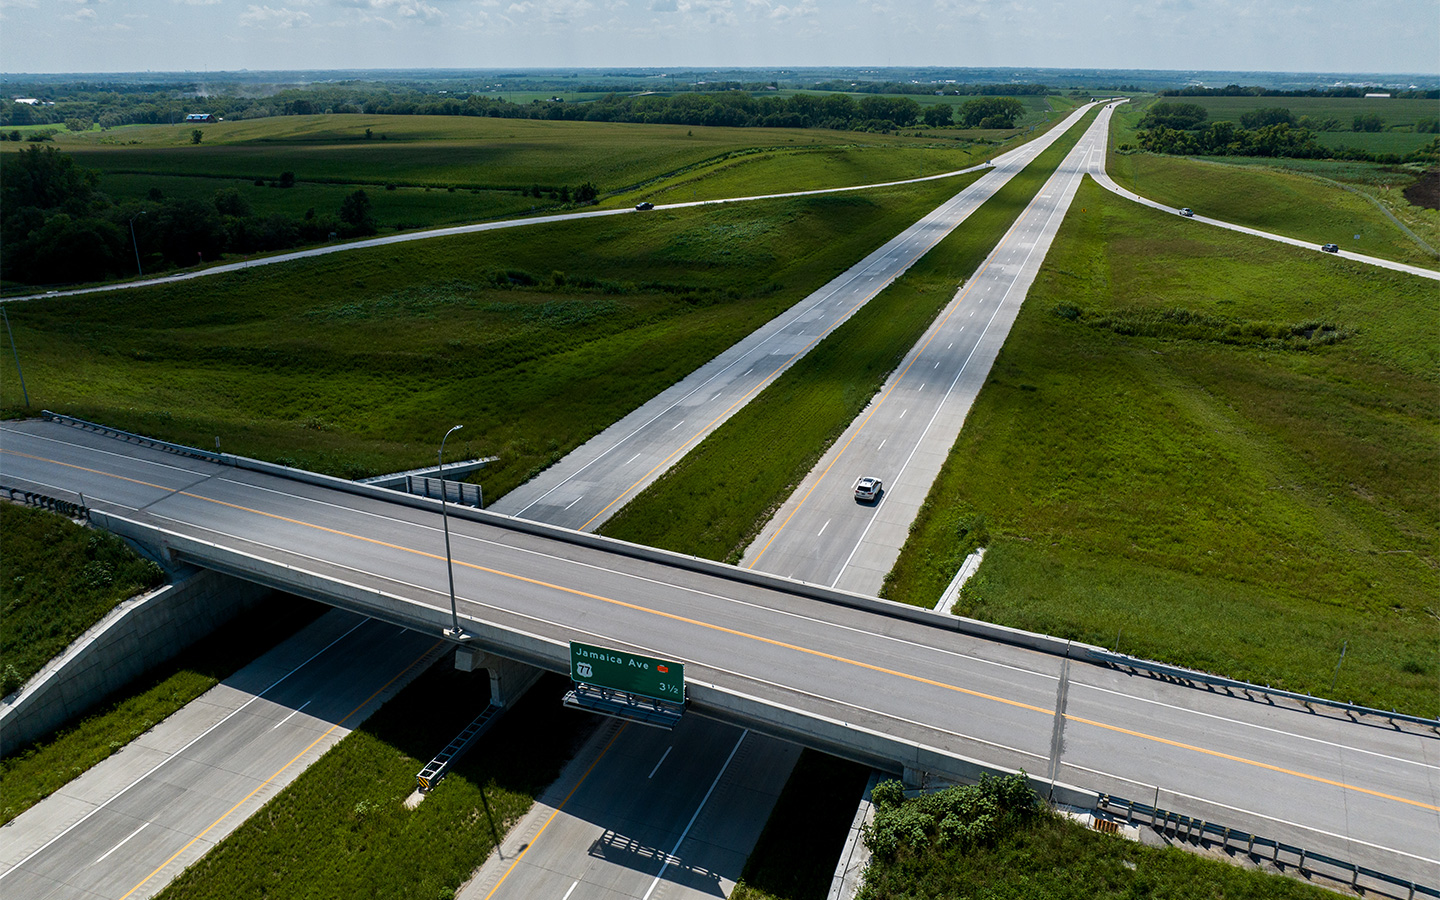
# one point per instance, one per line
(773, 642)
(281, 770)
(556, 812)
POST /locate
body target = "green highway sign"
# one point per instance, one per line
(629, 672)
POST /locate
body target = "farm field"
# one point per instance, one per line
(1280, 201)
(465, 152)
(719, 495)
(1208, 451)
(356, 363)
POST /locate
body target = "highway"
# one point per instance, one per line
(129, 825)
(756, 648)
(821, 534)
(593, 481)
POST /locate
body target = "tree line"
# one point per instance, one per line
(1181, 129)
(58, 227)
(1235, 90)
(727, 108)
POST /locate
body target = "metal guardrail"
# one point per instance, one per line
(1120, 660)
(1281, 854)
(45, 501)
(461, 492)
(437, 768)
(132, 438)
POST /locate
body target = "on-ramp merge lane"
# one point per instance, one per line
(1362, 792)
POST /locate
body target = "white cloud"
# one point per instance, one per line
(270, 17)
(383, 10)
(83, 14)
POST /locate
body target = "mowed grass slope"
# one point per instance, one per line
(1287, 203)
(1187, 458)
(715, 500)
(356, 363)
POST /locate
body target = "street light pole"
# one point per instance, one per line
(136, 244)
(454, 630)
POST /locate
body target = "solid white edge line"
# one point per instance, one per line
(706, 799)
(176, 754)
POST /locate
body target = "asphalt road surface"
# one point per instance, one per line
(592, 482)
(1366, 792)
(822, 534)
(131, 824)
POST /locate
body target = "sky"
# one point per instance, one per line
(217, 35)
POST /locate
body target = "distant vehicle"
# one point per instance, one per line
(1330, 248)
(644, 206)
(867, 488)
(1187, 212)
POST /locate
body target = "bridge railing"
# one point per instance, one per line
(130, 437)
(45, 501)
(975, 628)
(1259, 848)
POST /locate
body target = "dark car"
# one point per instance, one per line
(644, 206)
(1331, 248)
(867, 488)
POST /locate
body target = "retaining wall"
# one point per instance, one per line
(135, 636)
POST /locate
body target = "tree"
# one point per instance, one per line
(46, 179)
(1369, 122)
(287, 179)
(369, 133)
(229, 202)
(356, 216)
(1259, 118)
(1180, 116)
(197, 136)
(991, 112)
(586, 193)
(939, 115)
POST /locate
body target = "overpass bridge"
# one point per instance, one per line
(883, 684)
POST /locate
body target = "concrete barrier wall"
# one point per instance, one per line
(843, 739)
(137, 635)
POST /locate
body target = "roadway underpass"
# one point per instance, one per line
(882, 684)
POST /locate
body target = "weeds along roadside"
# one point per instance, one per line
(35, 771)
(1164, 463)
(715, 500)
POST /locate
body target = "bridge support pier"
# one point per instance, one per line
(509, 680)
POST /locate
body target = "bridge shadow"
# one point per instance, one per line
(616, 848)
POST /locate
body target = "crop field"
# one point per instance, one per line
(400, 209)
(461, 151)
(1395, 113)
(718, 496)
(356, 363)
(1401, 142)
(1274, 200)
(1206, 449)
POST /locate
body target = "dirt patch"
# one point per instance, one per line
(1425, 191)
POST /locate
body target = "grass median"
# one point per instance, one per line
(1208, 450)
(715, 500)
(342, 828)
(536, 339)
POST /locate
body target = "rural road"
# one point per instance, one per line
(1368, 792)
(593, 481)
